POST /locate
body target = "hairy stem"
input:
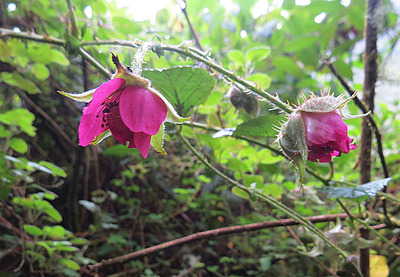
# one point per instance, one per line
(268, 199)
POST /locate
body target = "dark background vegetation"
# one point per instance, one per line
(64, 207)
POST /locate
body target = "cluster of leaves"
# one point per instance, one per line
(64, 207)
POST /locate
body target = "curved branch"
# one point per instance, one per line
(211, 234)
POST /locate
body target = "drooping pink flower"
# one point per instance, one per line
(133, 114)
(326, 135)
(128, 108)
(315, 131)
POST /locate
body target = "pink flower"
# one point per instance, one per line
(133, 114)
(315, 131)
(128, 108)
(326, 135)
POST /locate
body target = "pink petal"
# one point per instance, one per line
(92, 125)
(322, 128)
(321, 155)
(119, 129)
(142, 143)
(141, 110)
(103, 92)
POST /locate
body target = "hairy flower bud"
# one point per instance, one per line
(315, 131)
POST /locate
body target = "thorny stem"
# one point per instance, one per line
(188, 52)
(182, 50)
(348, 213)
(271, 201)
(253, 141)
(366, 225)
(54, 41)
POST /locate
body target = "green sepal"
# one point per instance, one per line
(157, 141)
(172, 114)
(101, 137)
(292, 140)
(81, 97)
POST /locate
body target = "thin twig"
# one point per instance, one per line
(253, 141)
(211, 234)
(94, 62)
(361, 106)
(74, 24)
(48, 118)
(268, 199)
(196, 38)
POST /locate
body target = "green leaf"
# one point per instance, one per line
(184, 87)
(5, 50)
(157, 141)
(240, 193)
(56, 171)
(368, 189)
(32, 230)
(258, 53)
(40, 71)
(53, 213)
(343, 68)
(120, 150)
(59, 57)
(287, 64)
(17, 80)
(41, 53)
(4, 133)
(260, 126)
(55, 232)
(273, 190)
(21, 118)
(262, 79)
(70, 264)
(18, 145)
(237, 57)
(300, 43)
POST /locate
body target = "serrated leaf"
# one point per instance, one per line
(368, 189)
(260, 126)
(184, 87)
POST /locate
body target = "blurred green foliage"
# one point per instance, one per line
(64, 207)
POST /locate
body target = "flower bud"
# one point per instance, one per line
(315, 131)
